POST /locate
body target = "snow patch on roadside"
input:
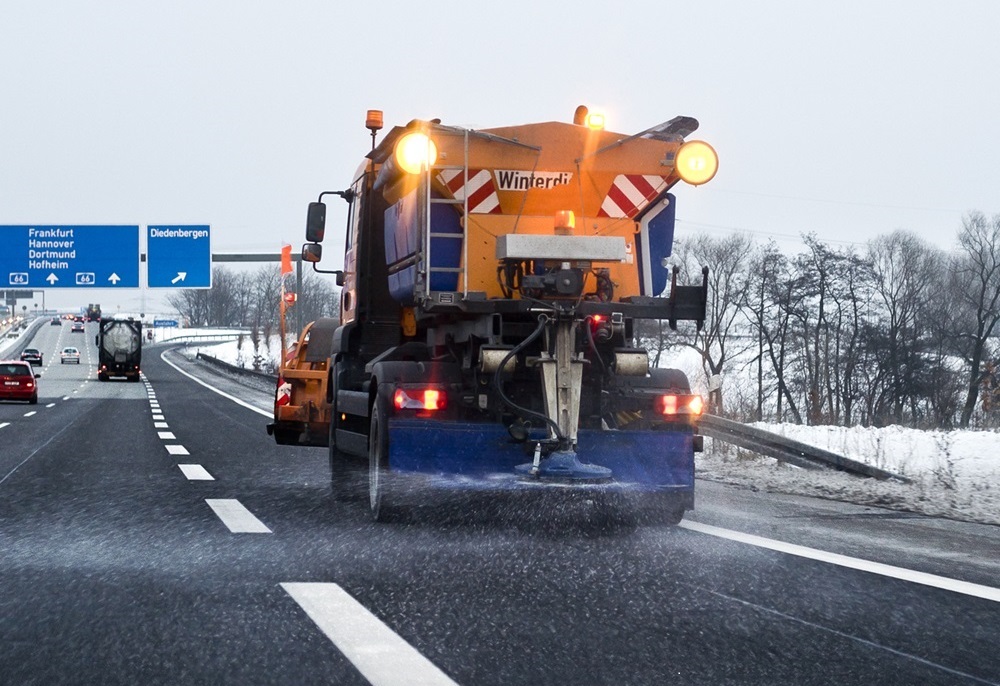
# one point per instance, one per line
(954, 474)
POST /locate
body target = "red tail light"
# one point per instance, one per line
(429, 399)
(671, 405)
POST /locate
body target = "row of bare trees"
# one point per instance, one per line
(896, 332)
(251, 299)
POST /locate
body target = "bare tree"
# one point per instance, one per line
(728, 260)
(901, 266)
(978, 272)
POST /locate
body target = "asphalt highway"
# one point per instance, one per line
(153, 533)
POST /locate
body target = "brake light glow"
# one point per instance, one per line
(671, 405)
(419, 399)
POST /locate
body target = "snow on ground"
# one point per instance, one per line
(954, 474)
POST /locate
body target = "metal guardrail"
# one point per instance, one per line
(24, 341)
(202, 338)
(238, 370)
(786, 449)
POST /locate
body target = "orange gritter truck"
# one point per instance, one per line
(491, 287)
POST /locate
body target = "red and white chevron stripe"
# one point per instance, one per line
(483, 198)
(283, 395)
(630, 193)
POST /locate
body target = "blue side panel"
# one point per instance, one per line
(639, 460)
(402, 240)
(659, 229)
(446, 251)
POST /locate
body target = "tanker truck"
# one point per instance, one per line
(491, 286)
(119, 348)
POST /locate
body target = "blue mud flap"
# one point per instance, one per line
(483, 456)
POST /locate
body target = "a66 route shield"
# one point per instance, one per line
(179, 256)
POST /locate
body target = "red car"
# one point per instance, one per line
(18, 381)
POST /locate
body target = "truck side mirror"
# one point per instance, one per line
(312, 252)
(316, 222)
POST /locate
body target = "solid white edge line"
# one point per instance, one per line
(382, 657)
(195, 472)
(933, 580)
(236, 517)
(216, 390)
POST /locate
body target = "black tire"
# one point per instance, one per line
(346, 477)
(664, 510)
(380, 496)
(34, 400)
(102, 377)
(286, 436)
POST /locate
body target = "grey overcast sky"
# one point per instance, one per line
(847, 119)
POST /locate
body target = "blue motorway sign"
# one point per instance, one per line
(165, 322)
(36, 257)
(178, 256)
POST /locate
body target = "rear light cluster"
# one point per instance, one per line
(426, 399)
(672, 405)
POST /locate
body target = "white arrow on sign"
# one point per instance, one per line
(180, 277)
(51, 278)
(114, 278)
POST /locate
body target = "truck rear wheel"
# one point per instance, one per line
(379, 492)
(346, 477)
(664, 510)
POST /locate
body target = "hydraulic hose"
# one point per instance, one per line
(523, 411)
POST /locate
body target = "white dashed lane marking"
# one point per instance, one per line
(158, 418)
(166, 435)
(160, 425)
(235, 516)
(65, 397)
(382, 657)
(33, 412)
(4, 424)
(51, 405)
(195, 472)
(177, 450)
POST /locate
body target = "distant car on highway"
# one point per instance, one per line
(69, 355)
(55, 321)
(77, 327)
(32, 355)
(18, 381)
